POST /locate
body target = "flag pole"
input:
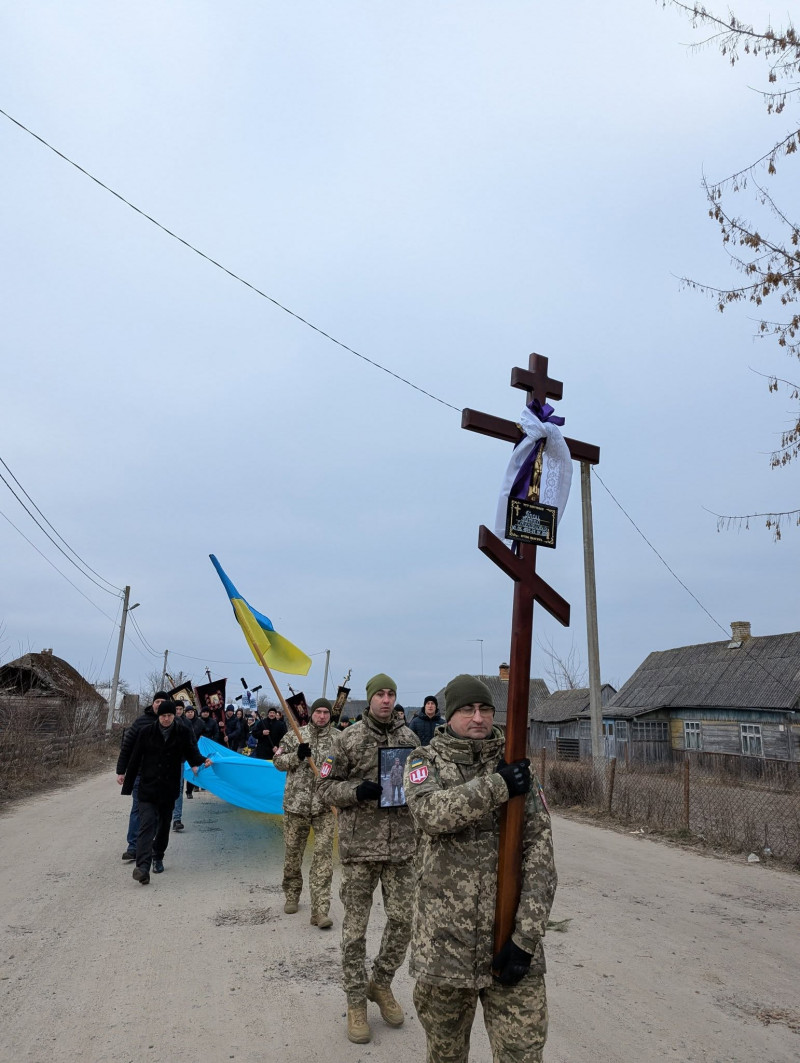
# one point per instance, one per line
(286, 710)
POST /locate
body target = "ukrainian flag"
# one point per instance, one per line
(277, 651)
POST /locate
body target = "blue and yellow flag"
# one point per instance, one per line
(277, 651)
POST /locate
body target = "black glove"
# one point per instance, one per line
(517, 776)
(368, 790)
(303, 751)
(511, 963)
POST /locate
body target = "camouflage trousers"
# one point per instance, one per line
(515, 1018)
(358, 885)
(295, 836)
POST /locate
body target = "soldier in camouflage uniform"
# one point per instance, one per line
(455, 788)
(304, 809)
(375, 845)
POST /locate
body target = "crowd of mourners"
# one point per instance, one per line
(416, 807)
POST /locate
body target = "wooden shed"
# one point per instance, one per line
(561, 724)
(45, 693)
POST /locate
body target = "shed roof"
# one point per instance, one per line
(44, 674)
(757, 673)
(569, 704)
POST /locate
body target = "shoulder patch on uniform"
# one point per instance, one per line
(418, 775)
(415, 760)
(327, 768)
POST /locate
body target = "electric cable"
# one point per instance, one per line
(116, 590)
(230, 273)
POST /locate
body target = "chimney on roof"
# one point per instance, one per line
(48, 651)
(503, 673)
(740, 630)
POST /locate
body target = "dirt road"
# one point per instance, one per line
(669, 955)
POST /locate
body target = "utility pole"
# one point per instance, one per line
(112, 702)
(325, 677)
(164, 669)
(481, 642)
(595, 694)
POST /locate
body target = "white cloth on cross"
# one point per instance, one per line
(556, 467)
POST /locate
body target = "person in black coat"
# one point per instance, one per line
(195, 725)
(157, 759)
(268, 734)
(129, 736)
(233, 729)
(425, 722)
(210, 725)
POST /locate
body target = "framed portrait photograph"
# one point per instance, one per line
(391, 765)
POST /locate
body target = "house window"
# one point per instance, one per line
(692, 737)
(649, 731)
(553, 733)
(751, 740)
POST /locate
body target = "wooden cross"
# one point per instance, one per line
(528, 588)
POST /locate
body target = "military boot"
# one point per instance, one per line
(358, 1030)
(382, 995)
(291, 906)
(320, 919)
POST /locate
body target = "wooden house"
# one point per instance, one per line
(45, 693)
(740, 696)
(561, 724)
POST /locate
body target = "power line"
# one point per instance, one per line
(58, 570)
(52, 540)
(117, 590)
(234, 276)
(713, 619)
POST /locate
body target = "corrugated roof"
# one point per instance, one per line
(762, 673)
(568, 704)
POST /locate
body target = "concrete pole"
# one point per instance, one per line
(164, 669)
(325, 677)
(112, 702)
(595, 697)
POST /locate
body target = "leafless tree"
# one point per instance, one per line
(765, 250)
(564, 670)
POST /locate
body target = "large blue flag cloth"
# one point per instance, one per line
(239, 780)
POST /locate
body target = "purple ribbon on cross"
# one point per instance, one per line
(546, 414)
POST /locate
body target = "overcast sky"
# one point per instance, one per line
(444, 187)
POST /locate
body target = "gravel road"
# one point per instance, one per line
(669, 954)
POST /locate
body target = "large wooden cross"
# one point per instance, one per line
(528, 588)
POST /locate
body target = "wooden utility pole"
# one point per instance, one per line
(325, 677)
(112, 701)
(528, 588)
(595, 692)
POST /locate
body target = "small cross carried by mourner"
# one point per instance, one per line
(534, 493)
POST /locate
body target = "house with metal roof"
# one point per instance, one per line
(740, 696)
(561, 724)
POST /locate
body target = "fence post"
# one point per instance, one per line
(686, 792)
(612, 764)
(542, 764)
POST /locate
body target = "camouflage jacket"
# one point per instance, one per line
(301, 795)
(366, 831)
(455, 797)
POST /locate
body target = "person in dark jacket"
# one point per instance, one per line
(129, 736)
(268, 734)
(210, 725)
(233, 730)
(156, 760)
(426, 721)
(195, 725)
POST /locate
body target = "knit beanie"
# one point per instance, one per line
(166, 708)
(322, 703)
(162, 694)
(465, 690)
(431, 697)
(381, 681)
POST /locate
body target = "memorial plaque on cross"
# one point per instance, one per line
(529, 587)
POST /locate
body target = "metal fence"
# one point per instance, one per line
(746, 804)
